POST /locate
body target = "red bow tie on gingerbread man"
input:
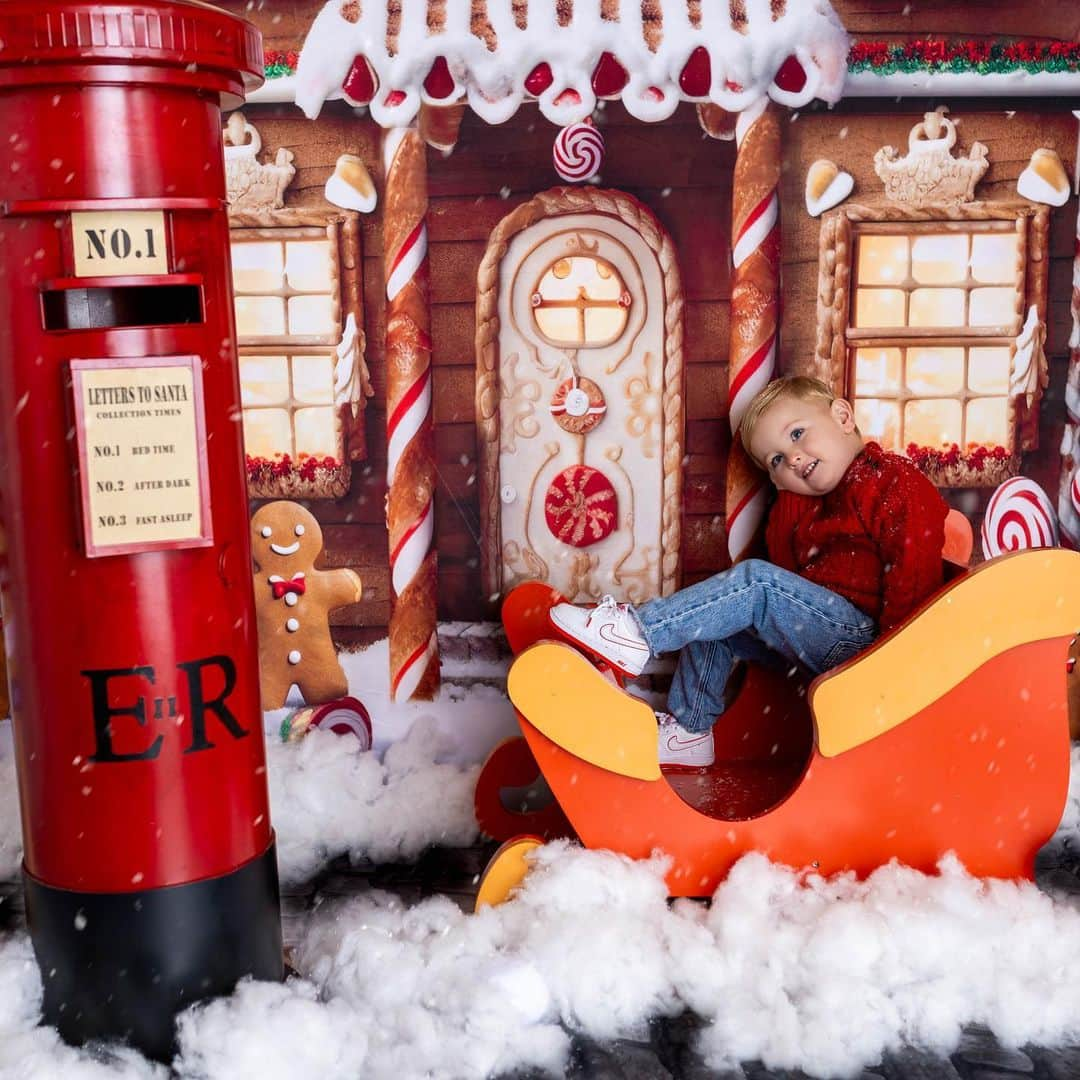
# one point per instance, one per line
(296, 585)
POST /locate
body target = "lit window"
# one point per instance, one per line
(580, 301)
(288, 285)
(935, 310)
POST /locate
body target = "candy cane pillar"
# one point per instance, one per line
(1069, 492)
(410, 470)
(755, 308)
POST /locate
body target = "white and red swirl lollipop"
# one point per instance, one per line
(1018, 516)
(578, 152)
(1074, 489)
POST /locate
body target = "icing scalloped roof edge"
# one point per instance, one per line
(743, 63)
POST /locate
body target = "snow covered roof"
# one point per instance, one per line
(393, 55)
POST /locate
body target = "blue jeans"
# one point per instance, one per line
(751, 612)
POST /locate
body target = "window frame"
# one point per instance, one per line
(837, 339)
(342, 229)
(582, 304)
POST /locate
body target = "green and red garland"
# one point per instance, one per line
(309, 467)
(278, 64)
(928, 56)
(978, 457)
(978, 56)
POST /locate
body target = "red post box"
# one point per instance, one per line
(149, 866)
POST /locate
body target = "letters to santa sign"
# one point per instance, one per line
(141, 436)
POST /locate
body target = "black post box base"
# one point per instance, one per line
(119, 966)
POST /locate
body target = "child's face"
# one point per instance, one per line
(806, 446)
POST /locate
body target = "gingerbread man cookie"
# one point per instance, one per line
(293, 601)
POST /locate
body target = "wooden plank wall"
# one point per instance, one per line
(685, 178)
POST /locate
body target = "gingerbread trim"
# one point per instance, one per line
(548, 204)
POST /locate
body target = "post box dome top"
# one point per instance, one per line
(182, 43)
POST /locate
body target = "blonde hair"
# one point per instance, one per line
(802, 387)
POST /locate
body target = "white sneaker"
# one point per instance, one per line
(679, 748)
(608, 630)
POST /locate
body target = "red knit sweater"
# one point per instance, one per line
(875, 539)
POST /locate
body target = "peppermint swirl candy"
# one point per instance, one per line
(1019, 516)
(578, 152)
(1074, 489)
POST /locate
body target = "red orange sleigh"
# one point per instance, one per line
(949, 734)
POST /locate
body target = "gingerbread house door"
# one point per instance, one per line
(579, 398)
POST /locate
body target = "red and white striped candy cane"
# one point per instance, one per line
(755, 308)
(1068, 511)
(410, 469)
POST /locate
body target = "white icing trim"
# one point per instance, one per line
(1024, 376)
(346, 384)
(493, 82)
(967, 84)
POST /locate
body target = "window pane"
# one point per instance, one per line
(311, 315)
(559, 324)
(988, 369)
(932, 423)
(939, 259)
(267, 432)
(308, 265)
(259, 316)
(256, 266)
(316, 432)
(879, 421)
(879, 307)
(264, 380)
(993, 258)
(935, 371)
(604, 324)
(877, 371)
(882, 260)
(993, 307)
(937, 307)
(569, 278)
(313, 379)
(988, 421)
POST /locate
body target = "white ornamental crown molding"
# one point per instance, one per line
(250, 185)
(929, 174)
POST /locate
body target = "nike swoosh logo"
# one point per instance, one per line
(675, 743)
(607, 632)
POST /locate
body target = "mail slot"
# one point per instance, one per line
(149, 863)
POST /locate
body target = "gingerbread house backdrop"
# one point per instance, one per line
(508, 271)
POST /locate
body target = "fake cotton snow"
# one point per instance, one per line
(800, 972)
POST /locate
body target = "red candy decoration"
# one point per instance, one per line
(568, 97)
(360, 84)
(791, 77)
(609, 76)
(394, 98)
(580, 506)
(539, 79)
(439, 82)
(696, 77)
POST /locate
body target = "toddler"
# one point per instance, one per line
(854, 541)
